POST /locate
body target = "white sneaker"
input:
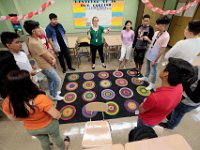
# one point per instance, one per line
(57, 98)
(150, 87)
(143, 79)
(59, 92)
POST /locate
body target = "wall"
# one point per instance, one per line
(62, 8)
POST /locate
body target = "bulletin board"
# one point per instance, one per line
(109, 12)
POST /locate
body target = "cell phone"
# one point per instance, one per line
(145, 33)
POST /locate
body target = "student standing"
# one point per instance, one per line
(56, 35)
(189, 48)
(96, 42)
(157, 48)
(139, 43)
(43, 58)
(25, 102)
(127, 37)
(163, 101)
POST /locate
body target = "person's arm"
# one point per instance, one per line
(54, 113)
(7, 111)
(88, 34)
(12, 117)
(151, 32)
(49, 58)
(146, 38)
(52, 44)
(106, 30)
(173, 51)
(147, 105)
(162, 50)
(136, 35)
(121, 35)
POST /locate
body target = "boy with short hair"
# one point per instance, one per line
(43, 58)
(157, 48)
(12, 42)
(162, 102)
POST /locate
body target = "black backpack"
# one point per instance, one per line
(140, 133)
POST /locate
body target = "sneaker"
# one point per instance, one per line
(143, 79)
(150, 87)
(164, 125)
(93, 67)
(59, 92)
(57, 98)
(67, 142)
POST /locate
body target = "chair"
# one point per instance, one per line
(82, 50)
(97, 133)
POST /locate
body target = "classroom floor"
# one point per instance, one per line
(14, 137)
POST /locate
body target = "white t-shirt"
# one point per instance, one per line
(187, 49)
(159, 40)
(22, 61)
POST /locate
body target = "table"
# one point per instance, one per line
(171, 142)
(72, 42)
(111, 147)
(112, 41)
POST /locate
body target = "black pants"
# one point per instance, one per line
(139, 56)
(64, 54)
(94, 49)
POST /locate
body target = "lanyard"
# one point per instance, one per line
(157, 37)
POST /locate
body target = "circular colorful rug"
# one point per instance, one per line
(131, 73)
(131, 105)
(121, 82)
(88, 76)
(70, 97)
(67, 112)
(126, 92)
(103, 75)
(113, 108)
(88, 85)
(71, 86)
(118, 74)
(108, 94)
(105, 83)
(73, 77)
(136, 81)
(89, 96)
(87, 114)
(142, 91)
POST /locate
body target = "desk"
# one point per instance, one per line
(112, 41)
(171, 142)
(72, 42)
(111, 147)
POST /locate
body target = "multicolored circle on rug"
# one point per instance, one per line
(108, 94)
(88, 85)
(89, 96)
(118, 74)
(113, 108)
(67, 112)
(88, 76)
(105, 83)
(121, 82)
(70, 97)
(103, 75)
(73, 77)
(88, 114)
(136, 81)
(131, 105)
(142, 91)
(131, 73)
(126, 92)
(71, 86)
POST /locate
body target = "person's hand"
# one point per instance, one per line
(53, 63)
(153, 63)
(88, 31)
(146, 38)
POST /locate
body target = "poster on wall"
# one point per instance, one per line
(109, 12)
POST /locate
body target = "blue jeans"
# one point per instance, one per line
(178, 114)
(152, 70)
(140, 123)
(53, 81)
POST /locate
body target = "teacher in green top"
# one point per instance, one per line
(96, 41)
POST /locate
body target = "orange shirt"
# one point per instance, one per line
(38, 119)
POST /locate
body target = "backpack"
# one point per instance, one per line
(140, 133)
